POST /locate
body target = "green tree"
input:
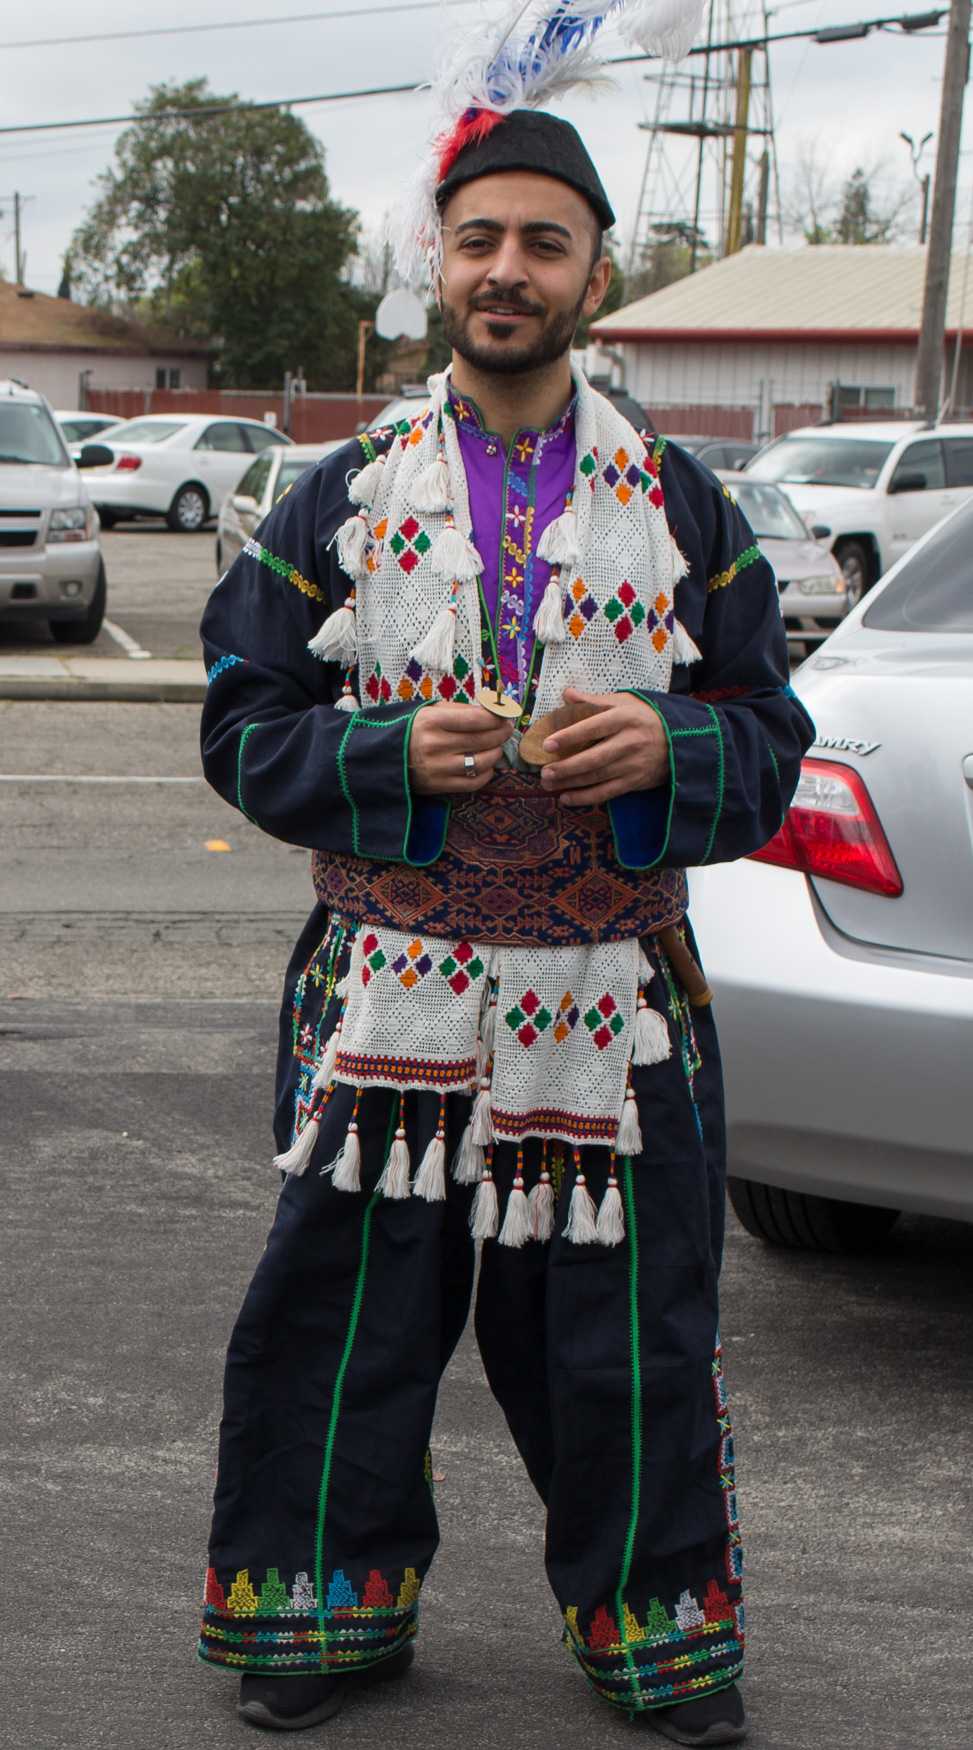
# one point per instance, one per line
(857, 220)
(223, 226)
(667, 257)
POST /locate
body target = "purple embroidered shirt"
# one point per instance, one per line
(514, 495)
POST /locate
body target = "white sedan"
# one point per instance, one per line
(179, 467)
(266, 480)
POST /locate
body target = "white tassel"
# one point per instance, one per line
(481, 1121)
(347, 1171)
(295, 1160)
(455, 557)
(683, 648)
(652, 1042)
(363, 488)
(352, 541)
(646, 968)
(430, 489)
(335, 640)
(558, 544)
(549, 618)
(582, 1228)
(629, 1138)
(611, 1215)
(677, 561)
(435, 650)
(343, 985)
(394, 1182)
(430, 1182)
(516, 1222)
(485, 1214)
(468, 1164)
(324, 1074)
(347, 702)
(540, 1204)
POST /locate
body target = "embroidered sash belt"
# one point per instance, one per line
(518, 869)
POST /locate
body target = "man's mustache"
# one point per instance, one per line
(519, 305)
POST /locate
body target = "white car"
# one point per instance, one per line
(79, 428)
(870, 490)
(177, 466)
(266, 480)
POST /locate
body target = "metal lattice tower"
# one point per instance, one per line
(700, 189)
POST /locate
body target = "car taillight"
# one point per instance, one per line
(128, 464)
(832, 830)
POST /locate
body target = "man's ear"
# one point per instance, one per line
(598, 284)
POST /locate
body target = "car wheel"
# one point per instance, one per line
(188, 510)
(804, 1223)
(107, 519)
(85, 630)
(855, 562)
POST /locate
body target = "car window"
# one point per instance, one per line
(224, 435)
(29, 435)
(262, 437)
(76, 430)
(933, 592)
(922, 465)
(770, 514)
(255, 479)
(146, 431)
(289, 472)
(822, 461)
(959, 461)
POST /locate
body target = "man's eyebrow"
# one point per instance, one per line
(533, 227)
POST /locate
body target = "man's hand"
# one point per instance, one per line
(442, 735)
(622, 748)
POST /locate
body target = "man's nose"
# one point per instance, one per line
(509, 266)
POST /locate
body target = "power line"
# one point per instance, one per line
(116, 36)
(907, 24)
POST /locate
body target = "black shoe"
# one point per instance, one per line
(709, 1719)
(289, 1704)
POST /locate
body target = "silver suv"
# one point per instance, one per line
(50, 560)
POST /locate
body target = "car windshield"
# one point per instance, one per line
(28, 435)
(823, 461)
(406, 407)
(76, 430)
(144, 431)
(934, 590)
(770, 514)
(291, 471)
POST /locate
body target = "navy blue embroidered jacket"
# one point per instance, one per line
(275, 746)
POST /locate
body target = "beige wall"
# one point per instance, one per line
(738, 373)
(56, 375)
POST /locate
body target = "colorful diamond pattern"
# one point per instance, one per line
(581, 607)
(410, 543)
(377, 687)
(661, 622)
(460, 968)
(568, 1015)
(528, 1019)
(411, 967)
(374, 958)
(603, 1021)
(624, 612)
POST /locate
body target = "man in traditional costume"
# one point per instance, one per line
(507, 669)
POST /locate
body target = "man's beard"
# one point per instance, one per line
(508, 356)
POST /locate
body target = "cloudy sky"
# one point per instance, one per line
(850, 99)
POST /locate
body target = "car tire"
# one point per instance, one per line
(800, 1222)
(107, 519)
(189, 509)
(86, 629)
(856, 563)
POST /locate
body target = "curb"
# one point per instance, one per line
(88, 680)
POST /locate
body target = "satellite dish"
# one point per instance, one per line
(401, 313)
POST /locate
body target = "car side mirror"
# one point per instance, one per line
(243, 501)
(819, 531)
(908, 483)
(95, 456)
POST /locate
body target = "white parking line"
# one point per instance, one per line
(70, 778)
(128, 644)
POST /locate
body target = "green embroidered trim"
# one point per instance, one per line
(633, 1315)
(672, 791)
(709, 730)
(720, 784)
(245, 737)
(345, 787)
(659, 449)
(362, 720)
(749, 556)
(371, 453)
(283, 568)
(350, 1335)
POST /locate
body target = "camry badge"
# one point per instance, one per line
(847, 744)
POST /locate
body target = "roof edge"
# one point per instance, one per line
(782, 336)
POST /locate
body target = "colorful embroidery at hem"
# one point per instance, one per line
(694, 1651)
(574, 1127)
(274, 1628)
(359, 1068)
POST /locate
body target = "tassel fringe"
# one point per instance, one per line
(347, 702)
(468, 1164)
(455, 557)
(549, 618)
(324, 1074)
(481, 1121)
(540, 1204)
(430, 1180)
(347, 1170)
(352, 541)
(296, 1158)
(683, 648)
(430, 489)
(516, 1222)
(582, 1228)
(677, 560)
(646, 968)
(335, 640)
(436, 649)
(485, 1215)
(363, 487)
(394, 1182)
(611, 1215)
(558, 544)
(652, 1042)
(629, 1138)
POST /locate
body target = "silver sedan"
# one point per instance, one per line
(842, 955)
(813, 591)
(266, 480)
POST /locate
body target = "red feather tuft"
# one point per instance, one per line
(473, 127)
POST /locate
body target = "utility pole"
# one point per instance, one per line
(734, 223)
(929, 357)
(18, 254)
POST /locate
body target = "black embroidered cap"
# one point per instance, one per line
(527, 139)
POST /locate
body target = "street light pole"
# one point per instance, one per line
(929, 357)
(915, 153)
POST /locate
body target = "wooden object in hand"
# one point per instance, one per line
(532, 750)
